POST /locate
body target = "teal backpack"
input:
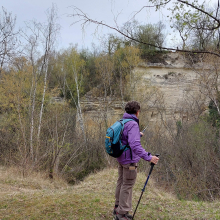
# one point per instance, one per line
(113, 144)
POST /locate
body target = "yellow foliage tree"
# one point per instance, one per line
(126, 59)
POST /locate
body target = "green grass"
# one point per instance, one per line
(94, 199)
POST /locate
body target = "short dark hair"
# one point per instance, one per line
(132, 107)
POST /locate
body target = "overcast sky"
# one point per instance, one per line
(101, 10)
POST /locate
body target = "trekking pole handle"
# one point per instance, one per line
(157, 155)
(152, 164)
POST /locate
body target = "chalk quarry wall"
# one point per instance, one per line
(167, 91)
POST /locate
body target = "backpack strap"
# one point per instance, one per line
(124, 121)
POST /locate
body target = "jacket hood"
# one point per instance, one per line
(130, 116)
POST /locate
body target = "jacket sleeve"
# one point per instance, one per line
(135, 142)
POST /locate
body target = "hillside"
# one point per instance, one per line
(38, 198)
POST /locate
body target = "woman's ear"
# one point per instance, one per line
(137, 113)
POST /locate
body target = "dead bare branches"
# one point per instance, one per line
(81, 17)
(8, 36)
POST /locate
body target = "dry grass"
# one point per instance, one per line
(39, 198)
(12, 181)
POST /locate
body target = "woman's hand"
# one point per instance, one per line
(154, 159)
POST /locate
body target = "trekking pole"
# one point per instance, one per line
(152, 166)
(144, 130)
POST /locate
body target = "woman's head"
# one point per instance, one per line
(132, 107)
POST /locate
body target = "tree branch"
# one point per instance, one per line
(204, 12)
(83, 17)
(150, 6)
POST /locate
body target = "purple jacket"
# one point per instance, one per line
(131, 136)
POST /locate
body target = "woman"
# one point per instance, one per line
(127, 169)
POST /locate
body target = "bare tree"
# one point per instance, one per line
(8, 37)
(39, 47)
(178, 10)
(49, 32)
(209, 80)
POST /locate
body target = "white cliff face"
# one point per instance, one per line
(170, 91)
(178, 86)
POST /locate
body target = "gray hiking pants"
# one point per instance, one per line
(127, 175)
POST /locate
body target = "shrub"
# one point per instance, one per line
(189, 163)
